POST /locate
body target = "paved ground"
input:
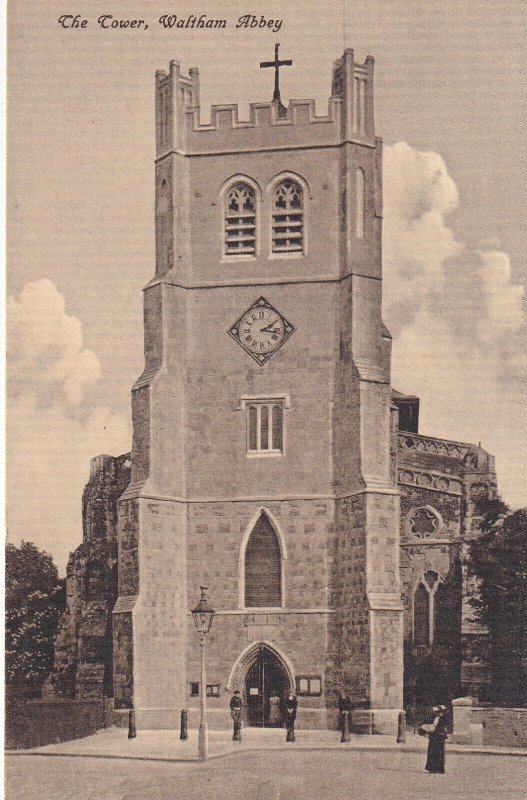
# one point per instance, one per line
(269, 775)
(166, 745)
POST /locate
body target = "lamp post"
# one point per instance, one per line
(203, 615)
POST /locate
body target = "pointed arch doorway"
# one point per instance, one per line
(266, 678)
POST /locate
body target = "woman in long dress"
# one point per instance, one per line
(435, 761)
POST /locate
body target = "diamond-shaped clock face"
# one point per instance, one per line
(261, 330)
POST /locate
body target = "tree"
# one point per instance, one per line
(35, 599)
(498, 559)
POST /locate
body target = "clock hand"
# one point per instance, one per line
(269, 328)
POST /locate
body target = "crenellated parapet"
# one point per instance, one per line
(349, 117)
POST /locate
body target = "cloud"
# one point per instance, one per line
(418, 193)
(44, 346)
(458, 318)
(52, 430)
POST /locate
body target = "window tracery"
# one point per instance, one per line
(425, 613)
(424, 523)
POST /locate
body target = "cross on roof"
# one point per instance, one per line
(276, 64)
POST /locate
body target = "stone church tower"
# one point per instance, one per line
(263, 458)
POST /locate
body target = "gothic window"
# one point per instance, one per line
(240, 220)
(288, 218)
(263, 567)
(265, 423)
(360, 200)
(425, 617)
(424, 523)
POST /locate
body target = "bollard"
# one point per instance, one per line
(345, 727)
(401, 728)
(237, 731)
(184, 724)
(132, 733)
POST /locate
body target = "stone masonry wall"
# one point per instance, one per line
(348, 645)
(217, 534)
(505, 727)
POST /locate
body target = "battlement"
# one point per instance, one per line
(270, 125)
(299, 112)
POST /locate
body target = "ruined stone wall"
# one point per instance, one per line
(83, 643)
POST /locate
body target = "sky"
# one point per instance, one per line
(450, 106)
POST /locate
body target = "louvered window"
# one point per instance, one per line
(240, 220)
(288, 218)
(263, 568)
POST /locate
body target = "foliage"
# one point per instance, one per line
(498, 559)
(35, 599)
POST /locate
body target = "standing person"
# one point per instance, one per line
(290, 716)
(344, 706)
(435, 760)
(236, 714)
(275, 716)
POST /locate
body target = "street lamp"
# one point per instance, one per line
(203, 615)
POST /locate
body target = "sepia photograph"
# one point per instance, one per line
(266, 406)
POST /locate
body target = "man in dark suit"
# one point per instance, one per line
(290, 716)
(236, 705)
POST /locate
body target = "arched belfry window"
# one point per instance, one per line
(240, 220)
(288, 217)
(263, 566)
(360, 200)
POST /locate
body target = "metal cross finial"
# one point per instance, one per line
(276, 64)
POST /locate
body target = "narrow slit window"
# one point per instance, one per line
(253, 426)
(288, 218)
(359, 227)
(277, 427)
(264, 428)
(240, 220)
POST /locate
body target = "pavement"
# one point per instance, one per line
(165, 745)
